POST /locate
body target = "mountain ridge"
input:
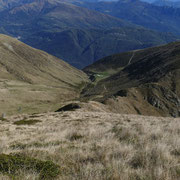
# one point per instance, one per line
(60, 28)
(33, 79)
(143, 80)
(164, 19)
(90, 45)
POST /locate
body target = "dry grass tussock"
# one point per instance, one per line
(96, 145)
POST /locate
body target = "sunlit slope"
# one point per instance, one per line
(28, 75)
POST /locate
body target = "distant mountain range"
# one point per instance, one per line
(70, 32)
(170, 3)
(164, 19)
(175, 4)
(81, 47)
(153, 1)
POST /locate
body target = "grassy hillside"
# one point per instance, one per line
(32, 80)
(145, 81)
(89, 145)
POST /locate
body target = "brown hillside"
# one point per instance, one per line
(30, 76)
(144, 82)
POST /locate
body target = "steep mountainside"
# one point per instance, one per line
(31, 78)
(175, 4)
(164, 19)
(75, 34)
(5, 4)
(144, 82)
(83, 47)
(53, 15)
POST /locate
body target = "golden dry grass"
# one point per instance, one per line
(20, 97)
(97, 145)
(33, 81)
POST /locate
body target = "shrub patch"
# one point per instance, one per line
(27, 122)
(10, 164)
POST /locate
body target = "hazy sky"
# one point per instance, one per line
(164, 0)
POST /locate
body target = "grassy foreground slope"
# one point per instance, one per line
(144, 81)
(32, 80)
(94, 145)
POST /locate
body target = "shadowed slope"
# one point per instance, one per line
(147, 80)
(75, 34)
(164, 19)
(54, 15)
(93, 44)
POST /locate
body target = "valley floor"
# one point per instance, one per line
(95, 145)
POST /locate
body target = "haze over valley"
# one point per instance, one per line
(89, 89)
(56, 27)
